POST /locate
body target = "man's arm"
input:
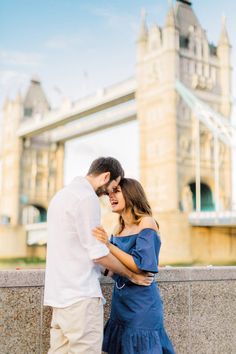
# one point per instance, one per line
(112, 263)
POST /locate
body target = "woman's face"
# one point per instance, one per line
(117, 200)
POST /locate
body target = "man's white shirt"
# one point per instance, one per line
(71, 274)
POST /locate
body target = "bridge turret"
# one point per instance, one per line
(143, 36)
(35, 101)
(224, 55)
(10, 157)
(171, 45)
(170, 17)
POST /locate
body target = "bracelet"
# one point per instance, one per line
(120, 287)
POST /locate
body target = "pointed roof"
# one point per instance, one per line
(185, 17)
(224, 37)
(35, 100)
(143, 32)
(170, 17)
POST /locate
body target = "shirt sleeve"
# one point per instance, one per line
(146, 251)
(87, 217)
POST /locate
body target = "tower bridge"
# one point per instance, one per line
(181, 98)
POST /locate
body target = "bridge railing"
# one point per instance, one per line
(36, 234)
(213, 218)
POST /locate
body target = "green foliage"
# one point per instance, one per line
(26, 262)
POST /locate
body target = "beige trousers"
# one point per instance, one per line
(77, 329)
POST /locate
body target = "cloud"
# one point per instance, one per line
(17, 58)
(116, 20)
(130, 20)
(8, 76)
(62, 42)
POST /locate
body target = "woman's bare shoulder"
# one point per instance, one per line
(148, 222)
(115, 230)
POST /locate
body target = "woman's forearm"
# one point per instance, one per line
(124, 258)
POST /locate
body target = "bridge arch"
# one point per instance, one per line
(188, 197)
(207, 203)
(33, 213)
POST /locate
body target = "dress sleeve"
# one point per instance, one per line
(146, 251)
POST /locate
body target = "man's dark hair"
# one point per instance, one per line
(106, 164)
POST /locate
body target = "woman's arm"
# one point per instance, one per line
(122, 256)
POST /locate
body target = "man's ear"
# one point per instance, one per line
(107, 177)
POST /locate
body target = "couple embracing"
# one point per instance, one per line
(78, 248)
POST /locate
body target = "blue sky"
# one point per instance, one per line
(78, 46)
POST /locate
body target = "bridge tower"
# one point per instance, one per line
(171, 138)
(31, 169)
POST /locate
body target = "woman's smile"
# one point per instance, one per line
(114, 203)
(117, 200)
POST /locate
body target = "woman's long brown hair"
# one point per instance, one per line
(135, 201)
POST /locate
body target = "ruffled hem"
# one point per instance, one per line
(119, 339)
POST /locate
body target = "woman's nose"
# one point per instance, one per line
(111, 195)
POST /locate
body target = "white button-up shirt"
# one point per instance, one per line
(71, 274)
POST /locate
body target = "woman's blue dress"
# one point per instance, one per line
(136, 321)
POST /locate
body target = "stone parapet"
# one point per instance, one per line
(199, 304)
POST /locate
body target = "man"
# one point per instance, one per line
(72, 285)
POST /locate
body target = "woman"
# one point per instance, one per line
(136, 321)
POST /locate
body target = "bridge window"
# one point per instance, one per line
(5, 220)
(28, 112)
(184, 42)
(207, 203)
(212, 49)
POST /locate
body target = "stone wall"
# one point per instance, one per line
(12, 241)
(200, 310)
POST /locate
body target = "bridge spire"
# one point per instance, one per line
(224, 37)
(143, 33)
(170, 18)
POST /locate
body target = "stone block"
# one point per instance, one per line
(20, 321)
(213, 317)
(175, 297)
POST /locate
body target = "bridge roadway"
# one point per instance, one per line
(110, 102)
(99, 121)
(115, 105)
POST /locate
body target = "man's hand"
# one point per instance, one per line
(144, 279)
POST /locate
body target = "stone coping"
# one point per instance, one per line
(35, 277)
